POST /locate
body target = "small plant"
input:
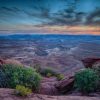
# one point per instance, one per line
(22, 90)
(60, 76)
(47, 71)
(86, 81)
(49, 75)
(37, 67)
(3, 81)
(15, 75)
(96, 67)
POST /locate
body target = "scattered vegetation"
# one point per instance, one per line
(60, 76)
(48, 72)
(37, 67)
(96, 67)
(86, 81)
(49, 75)
(22, 90)
(12, 75)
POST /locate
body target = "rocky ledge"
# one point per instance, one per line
(8, 94)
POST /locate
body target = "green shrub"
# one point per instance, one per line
(37, 67)
(3, 81)
(22, 90)
(49, 75)
(15, 75)
(60, 76)
(47, 71)
(96, 67)
(86, 80)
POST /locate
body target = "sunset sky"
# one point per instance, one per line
(50, 16)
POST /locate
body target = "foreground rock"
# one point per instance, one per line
(51, 86)
(65, 85)
(8, 94)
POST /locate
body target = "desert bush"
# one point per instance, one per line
(48, 71)
(86, 80)
(60, 76)
(22, 90)
(96, 67)
(49, 75)
(37, 67)
(16, 75)
(3, 81)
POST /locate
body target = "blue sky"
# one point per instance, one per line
(33, 14)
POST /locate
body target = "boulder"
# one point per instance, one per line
(65, 85)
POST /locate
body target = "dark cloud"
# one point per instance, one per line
(70, 17)
(67, 17)
(48, 13)
(9, 9)
(39, 13)
(94, 17)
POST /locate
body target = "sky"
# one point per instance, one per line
(50, 16)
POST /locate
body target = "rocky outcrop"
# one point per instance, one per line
(1, 61)
(89, 62)
(65, 85)
(50, 86)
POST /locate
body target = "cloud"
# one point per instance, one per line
(70, 17)
(41, 11)
(94, 17)
(67, 17)
(9, 9)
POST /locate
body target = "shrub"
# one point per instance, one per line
(22, 90)
(15, 75)
(86, 80)
(37, 67)
(96, 67)
(60, 76)
(49, 75)
(47, 71)
(3, 81)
